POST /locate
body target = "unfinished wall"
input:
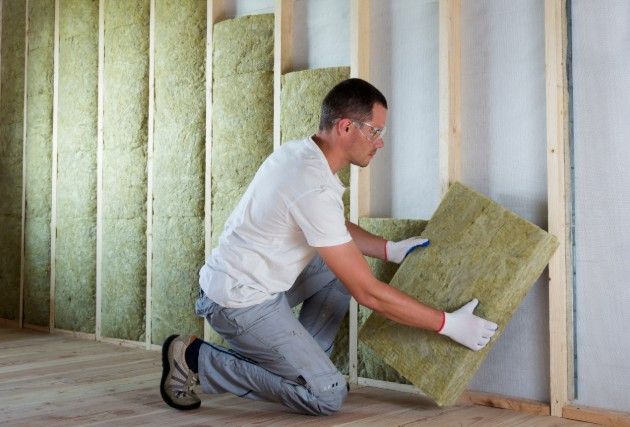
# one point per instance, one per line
(242, 118)
(125, 111)
(178, 166)
(11, 137)
(38, 162)
(75, 288)
(404, 66)
(372, 365)
(504, 156)
(601, 105)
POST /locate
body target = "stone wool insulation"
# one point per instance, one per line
(125, 112)
(301, 102)
(178, 166)
(38, 162)
(478, 250)
(11, 136)
(75, 291)
(370, 364)
(242, 109)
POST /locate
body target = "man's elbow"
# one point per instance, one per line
(367, 300)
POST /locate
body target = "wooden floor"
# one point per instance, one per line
(56, 380)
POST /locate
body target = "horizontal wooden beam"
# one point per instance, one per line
(506, 402)
(597, 416)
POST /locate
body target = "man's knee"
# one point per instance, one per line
(330, 392)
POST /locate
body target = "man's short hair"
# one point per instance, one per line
(352, 98)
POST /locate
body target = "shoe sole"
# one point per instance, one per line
(165, 371)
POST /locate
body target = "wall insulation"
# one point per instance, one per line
(478, 250)
(125, 111)
(503, 155)
(301, 102)
(242, 112)
(370, 364)
(178, 166)
(242, 109)
(75, 287)
(601, 105)
(38, 162)
(11, 137)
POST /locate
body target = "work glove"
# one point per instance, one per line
(397, 251)
(464, 327)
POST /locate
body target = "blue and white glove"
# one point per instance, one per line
(397, 251)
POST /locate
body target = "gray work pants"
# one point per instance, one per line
(274, 356)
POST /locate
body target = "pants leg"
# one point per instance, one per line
(273, 358)
(324, 301)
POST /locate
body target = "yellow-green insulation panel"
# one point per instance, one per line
(371, 365)
(478, 250)
(38, 161)
(242, 112)
(178, 166)
(300, 107)
(301, 101)
(242, 109)
(75, 261)
(125, 113)
(11, 137)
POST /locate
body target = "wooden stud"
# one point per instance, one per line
(150, 120)
(215, 13)
(598, 416)
(99, 167)
(24, 171)
(53, 207)
(557, 146)
(360, 15)
(282, 59)
(388, 385)
(450, 92)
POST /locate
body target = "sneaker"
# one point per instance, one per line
(177, 379)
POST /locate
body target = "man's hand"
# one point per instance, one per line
(464, 327)
(397, 251)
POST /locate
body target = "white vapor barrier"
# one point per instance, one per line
(237, 8)
(504, 156)
(404, 66)
(601, 102)
(321, 34)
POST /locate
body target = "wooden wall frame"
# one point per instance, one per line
(24, 171)
(450, 93)
(360, 18)
(53, 204)
(282, 59)
(99, 167)
(558, 191)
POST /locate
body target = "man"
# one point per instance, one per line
(286, 243)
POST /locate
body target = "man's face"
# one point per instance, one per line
(365, 140)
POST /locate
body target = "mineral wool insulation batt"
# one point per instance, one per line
(125, 113)
(11, 136)
(75, 291)
(371, 365)
(242, 109)
(178, 166)
(478, 250)
(38, 162)
(301, 100)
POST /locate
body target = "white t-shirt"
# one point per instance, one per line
(293, 205)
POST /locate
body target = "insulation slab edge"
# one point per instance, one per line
(38, 162)
(11, 137)
(178, 166)
(125, 137)
(370, 364)
(478, 250)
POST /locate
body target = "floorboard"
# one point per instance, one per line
(54, 380)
